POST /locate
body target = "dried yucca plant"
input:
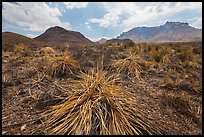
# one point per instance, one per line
(130, 64)
(183, 104)
(98, 106)
(60, 66)
(47, 51)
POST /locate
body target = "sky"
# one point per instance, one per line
(95, 20)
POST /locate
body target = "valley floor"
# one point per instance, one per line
(26, 93)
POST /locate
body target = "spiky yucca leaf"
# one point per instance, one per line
(59, 66)
(129, 64)
(97, 106)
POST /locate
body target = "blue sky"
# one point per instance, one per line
(96, 19)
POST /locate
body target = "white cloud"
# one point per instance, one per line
(31, 35)
(196, 22)
(128, 15)
(87, 24)
(72, 5)
(34, 16)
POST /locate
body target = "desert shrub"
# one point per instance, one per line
(182, 103)
(197, 50)
(98, 106)
(47, 51)
(160, 55)
(186, 54)
(6, 56)
(20, 48)
(147, 48)
(168, 83)
(130, 64)
(23, 51)
(137, 48)
(197, 87)
(60, 66)
(178, 49)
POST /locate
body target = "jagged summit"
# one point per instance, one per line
(176, 23)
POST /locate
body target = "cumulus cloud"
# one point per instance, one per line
(31, 35)
(34, 16)
(128, 14)
(72, 5)
(196, 22)
(87, 24)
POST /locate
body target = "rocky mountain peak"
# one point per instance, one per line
(168, 32)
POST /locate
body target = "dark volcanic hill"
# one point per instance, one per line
(59, 36)
(10, 39)
(169, 32)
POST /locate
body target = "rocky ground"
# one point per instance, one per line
(26, 94)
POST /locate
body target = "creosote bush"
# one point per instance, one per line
(98, 106)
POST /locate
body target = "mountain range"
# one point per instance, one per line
(169, 32)
(55, 36)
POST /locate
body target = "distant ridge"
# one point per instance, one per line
(169, 32)
(10, 39)
(102, 40)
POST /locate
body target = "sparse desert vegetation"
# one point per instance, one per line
(103, 89)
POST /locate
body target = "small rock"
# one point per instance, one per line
(154, 81)
(23, 127)
(185, 85)
(174, 77)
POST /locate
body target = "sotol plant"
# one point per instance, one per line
(60, 66)
(130, 64)
(98, 106)
(182, 103)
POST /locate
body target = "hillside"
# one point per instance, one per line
(57, 35)
(10, 39)
(169, 32)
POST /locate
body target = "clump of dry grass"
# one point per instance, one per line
(169, 83)
(47, 51)
(182, 103)
(20, 48)
(186, 54)
(97, 106)
(60, 66)
(130, 64)
(5, 56)
(160, 54)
